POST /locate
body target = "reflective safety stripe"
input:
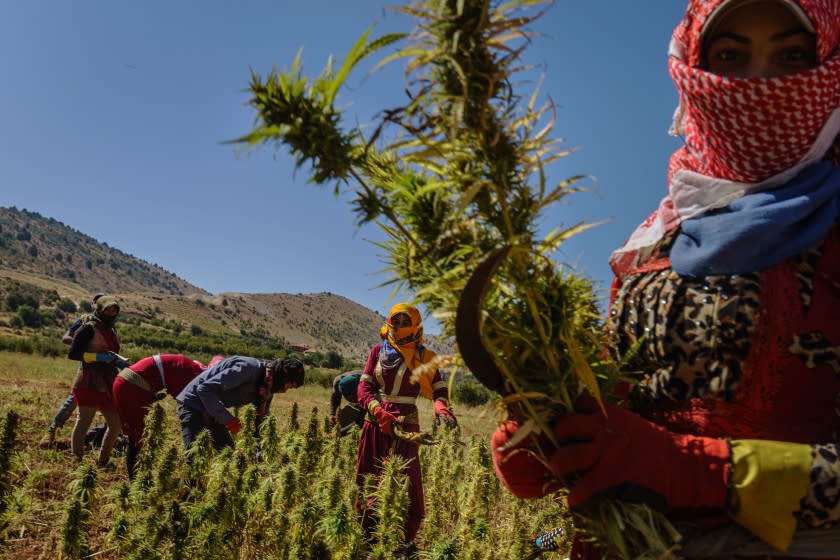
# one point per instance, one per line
(133, 378)
(398, 379)
(396, 399)
(439, 385)
(159, 365)
(367, 378)
(377, 372)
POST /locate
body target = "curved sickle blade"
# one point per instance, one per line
(468, 324)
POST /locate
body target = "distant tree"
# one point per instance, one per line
(333, 360)
(16, 299)
(33, 251)
(313, 359)
(67, 305)
(86, 307)
(29, 316)
(48, 316)
(195, 330)
(24, 235)
(89, 264)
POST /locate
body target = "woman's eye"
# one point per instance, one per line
(797, 56)
(725, 55)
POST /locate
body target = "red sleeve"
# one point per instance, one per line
(367, 384)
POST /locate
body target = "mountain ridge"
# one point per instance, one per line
(45, 253)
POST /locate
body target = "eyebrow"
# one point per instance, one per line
(780, 36)
(790, 33)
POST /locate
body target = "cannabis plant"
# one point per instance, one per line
(82, 489)
(457, 180)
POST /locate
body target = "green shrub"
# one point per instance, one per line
(333, 360)
(14, 299)
(49, 316)
(29, 316)
(315, 376)
(312, 358)
(67, 305)
(471, 393)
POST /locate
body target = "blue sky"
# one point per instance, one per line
(112, 116)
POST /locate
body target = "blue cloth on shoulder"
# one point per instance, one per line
(388, 355)
(760, 230)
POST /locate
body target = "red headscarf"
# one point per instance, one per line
(742, 135)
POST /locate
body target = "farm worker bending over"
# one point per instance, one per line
(140, 384)
(96, 344)
(346, 385)
(234, 381)
(388, 371)
(727, 297)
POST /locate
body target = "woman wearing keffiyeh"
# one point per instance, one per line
(728, 294)
(388, 392)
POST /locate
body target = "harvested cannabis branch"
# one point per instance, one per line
(455, 174)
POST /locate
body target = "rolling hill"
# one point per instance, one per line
(41, 255)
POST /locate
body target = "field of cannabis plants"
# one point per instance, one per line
(293, 499)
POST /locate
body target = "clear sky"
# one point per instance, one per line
(112, 116)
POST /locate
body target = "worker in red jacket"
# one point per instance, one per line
(142, 383)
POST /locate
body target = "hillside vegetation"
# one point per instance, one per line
(59, 268)
(45, 247)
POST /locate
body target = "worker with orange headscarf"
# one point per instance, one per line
(388, 391)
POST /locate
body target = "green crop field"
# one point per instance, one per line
(295, 501)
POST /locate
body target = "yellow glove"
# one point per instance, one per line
(769, 478)
(106, 357)
(373, 405)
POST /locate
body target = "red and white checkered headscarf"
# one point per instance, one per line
(741, 135)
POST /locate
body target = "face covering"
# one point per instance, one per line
(742, 135)
(404, 340)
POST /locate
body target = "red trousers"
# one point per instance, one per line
(132, 405)
(375, 446)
